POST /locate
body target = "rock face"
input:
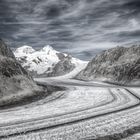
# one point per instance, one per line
(15, 83)
(63, 67)
(46, 61)
(5, 51)
(120, 64)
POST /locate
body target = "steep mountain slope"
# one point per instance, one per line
(46, 62)
(115, 65)
(63, 67)
(15, 83)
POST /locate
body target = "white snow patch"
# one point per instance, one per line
(24, 50)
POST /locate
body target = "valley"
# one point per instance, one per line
(84, 110)
(71, 100)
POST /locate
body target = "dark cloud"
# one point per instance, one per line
(80, 27)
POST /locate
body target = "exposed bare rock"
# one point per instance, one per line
(15, 83)
(5, 51)
(62, 67)
(46, 61)
(120, 64)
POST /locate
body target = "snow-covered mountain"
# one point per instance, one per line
(46, 61)
(119, 64)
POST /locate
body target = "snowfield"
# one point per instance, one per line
(85, 110)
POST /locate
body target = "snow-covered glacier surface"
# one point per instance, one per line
(83, 110)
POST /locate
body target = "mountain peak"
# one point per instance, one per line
(43, 61)
(25, 49)
(47, 48)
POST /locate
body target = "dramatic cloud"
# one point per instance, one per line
(80, 27)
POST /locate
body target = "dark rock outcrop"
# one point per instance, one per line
(64, 66)
(5, 51)
(15, 83)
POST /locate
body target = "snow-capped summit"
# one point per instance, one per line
(49, 51)
(47, 48)
(46, 61)
(24, 50)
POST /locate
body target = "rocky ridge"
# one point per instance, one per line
(15, 83)
(120, 65)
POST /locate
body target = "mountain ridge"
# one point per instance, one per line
(15, 82)
(46, 62)
(120, 65)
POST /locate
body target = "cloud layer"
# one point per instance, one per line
(76, 26)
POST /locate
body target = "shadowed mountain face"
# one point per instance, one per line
(15, 83)
(5, 51)
(8, 64)
(115, 65)
(63, 67)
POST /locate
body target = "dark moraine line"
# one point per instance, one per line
(119, 136)
(132, 93)
(84, 119)
(81, 84)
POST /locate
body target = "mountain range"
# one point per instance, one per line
(47, 62)
(116, 65)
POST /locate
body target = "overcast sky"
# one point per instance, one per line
(80, 27)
